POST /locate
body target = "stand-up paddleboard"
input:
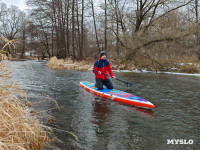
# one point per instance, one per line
(117, 95)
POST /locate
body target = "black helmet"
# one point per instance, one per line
(102, 53)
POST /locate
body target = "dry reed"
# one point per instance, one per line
(18, 128)
(68, 64)
(189, 68)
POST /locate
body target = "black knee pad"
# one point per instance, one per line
(100, 88)
(110, 88)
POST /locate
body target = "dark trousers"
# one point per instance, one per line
(106, 82)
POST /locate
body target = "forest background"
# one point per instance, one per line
(153, 34)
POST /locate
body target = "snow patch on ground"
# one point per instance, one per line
(136, 71)
(91, 68)
(145, 71)
(185, 74)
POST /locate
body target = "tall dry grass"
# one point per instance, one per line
(19, 130)
(190, 68)
(68, 64)
(8, 43)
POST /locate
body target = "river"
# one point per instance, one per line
(102, 124)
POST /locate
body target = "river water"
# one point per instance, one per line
(102, 124)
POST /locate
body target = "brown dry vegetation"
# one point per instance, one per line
(182, 64)
(3, 55)
(190, 68)
(68, 64)
(18, 128)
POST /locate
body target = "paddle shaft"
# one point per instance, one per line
(128, 84)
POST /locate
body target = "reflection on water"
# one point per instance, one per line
(102, 124)
(100, 110)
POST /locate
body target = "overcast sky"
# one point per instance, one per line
(19, 3)
(22, 5)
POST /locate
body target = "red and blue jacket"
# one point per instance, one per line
(102, 65)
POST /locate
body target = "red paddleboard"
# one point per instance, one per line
(117, 95)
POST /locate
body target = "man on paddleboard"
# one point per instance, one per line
(101, 69)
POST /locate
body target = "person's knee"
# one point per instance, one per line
(110, 86)
(99, 84)
(100, 88)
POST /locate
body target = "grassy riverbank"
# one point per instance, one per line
(19, 129)
(178, 67)
(69, 64)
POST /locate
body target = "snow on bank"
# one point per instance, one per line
(145, 71)
(55, 63)
(185, 74)
(135, 71)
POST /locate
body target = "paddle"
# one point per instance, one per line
(127, 83)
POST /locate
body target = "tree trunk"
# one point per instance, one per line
(67, 32)
(139, 15)
(117, 22)
(196, 11)
(197, 23)
(105, 32)
(52, 31)
(73, 30)
(23, 42)
(95, 27)
(79, 36)
(82, 30)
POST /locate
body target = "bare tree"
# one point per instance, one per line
(23, 32)
(82, 30)
(11, 24)
(197, 23)
(105, 32)
(73, 30)
(197, 11)
(95, 26)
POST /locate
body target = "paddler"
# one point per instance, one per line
(102, 66)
